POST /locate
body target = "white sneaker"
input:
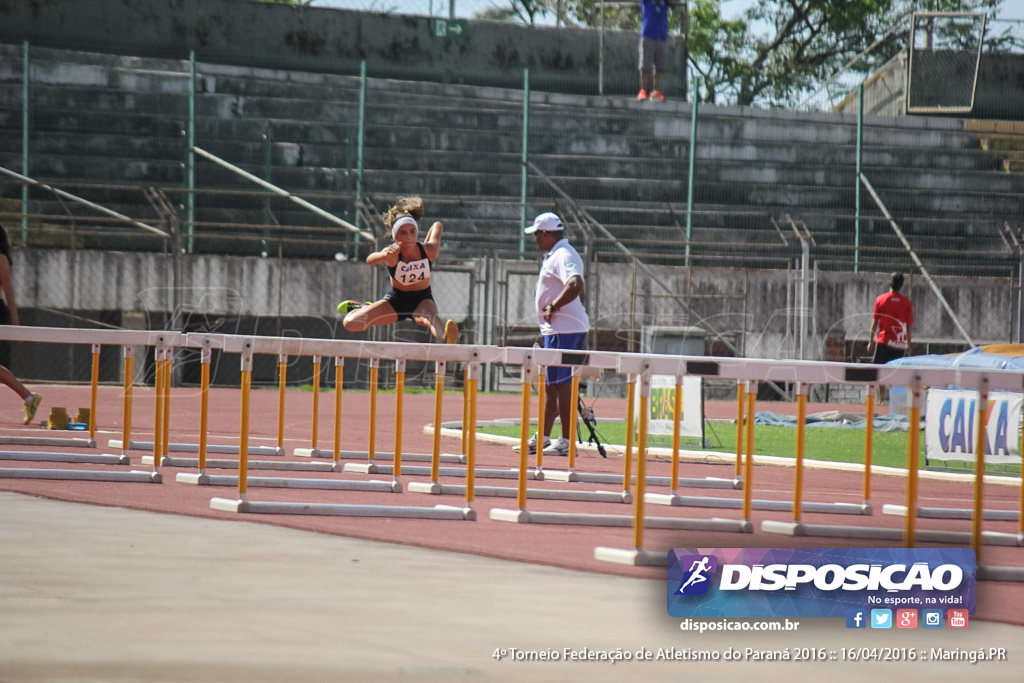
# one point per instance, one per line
(532, 444)
(559, 447)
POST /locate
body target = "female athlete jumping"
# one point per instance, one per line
(408, 263)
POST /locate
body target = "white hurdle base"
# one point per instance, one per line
(67, 442)
(533, 494)
(635, 557)
(453, 458)
(194, 448)
(1013, 574)
(82, 475)
(290, 483)
(40, 456)
(393, 511)
(578, 519)
(421, 471)
(953, 513)
(597, 478)
(876, 534)
(168, 461)
(774, 505)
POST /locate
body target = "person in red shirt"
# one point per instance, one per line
(892, 317)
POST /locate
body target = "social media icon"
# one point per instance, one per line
(881, 618)
(906, 618)
(856, 618)
(958, 618)
(931, 618)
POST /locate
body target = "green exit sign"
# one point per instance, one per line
(449, 28)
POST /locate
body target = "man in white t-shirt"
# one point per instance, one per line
(563, 323)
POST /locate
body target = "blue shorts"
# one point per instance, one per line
(575, 341)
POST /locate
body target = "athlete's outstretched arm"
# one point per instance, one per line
(432, 245)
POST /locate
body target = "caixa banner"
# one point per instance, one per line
(817, 582)
(951, 425)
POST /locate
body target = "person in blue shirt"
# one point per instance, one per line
(653, 46)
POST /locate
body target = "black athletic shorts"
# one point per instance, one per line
(405, 303)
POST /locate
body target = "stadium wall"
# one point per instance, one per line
(754, 311)
(321, 39)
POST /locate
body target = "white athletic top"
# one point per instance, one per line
(560, 264)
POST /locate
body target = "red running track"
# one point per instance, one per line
(561, 546)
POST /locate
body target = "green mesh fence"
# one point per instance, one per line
(659, 198)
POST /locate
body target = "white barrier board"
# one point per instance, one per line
(951, 425)
(661, 406)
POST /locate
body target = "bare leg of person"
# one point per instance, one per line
(378, 313)
(425, 315)
(8, 378)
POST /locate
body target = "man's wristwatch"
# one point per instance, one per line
(552, 307)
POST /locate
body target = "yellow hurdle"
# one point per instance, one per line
(979, 470)
(542, 418)
(339, 382)
(677, 410)
(158, 408)
(801, 427)
(126, 408)
(399, 405)
(913, 455)
(440, 369)
(94, 389)
(316, 401)
(641, 463)
(471, 455)
(243, 437)
(627, 458)
(374, 370)
(748, 475)
(869, 442)
(740, 396)
(165, 430)
(282, 374)
(573, 422)
(524, 429)
(204, 405)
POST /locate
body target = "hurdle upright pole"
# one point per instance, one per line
(641, 461)
(575, 418)
(869, 442)
(677, 414)
(913, 456)
(204, 404)
(126, 408)
(627, 460)
(979, 469)
(243, 436)
(465, 407)
(374, 371)
(282, 374)
(740, 397)
(440, 369)
(474, 374)
(339, 382)
(801, 429)
(524, 429)
(542, 418)
(748, 467)
(94, 389)
(399, 405)
(166, 430)
(316, 402)
(158, 408)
